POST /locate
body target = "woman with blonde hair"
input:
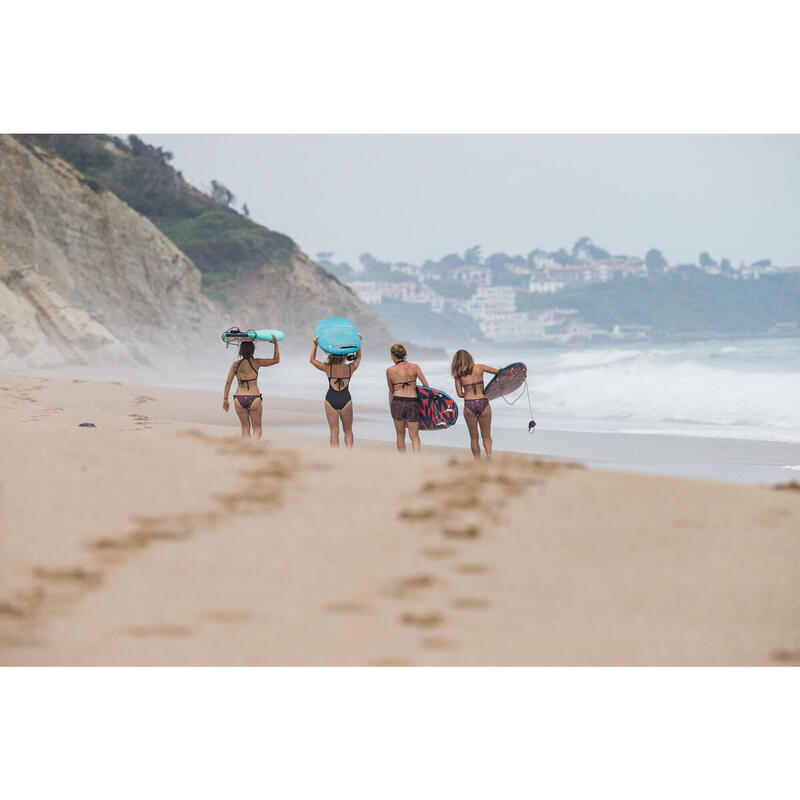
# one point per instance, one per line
(338, 403)
(403, 401)
(477, 412)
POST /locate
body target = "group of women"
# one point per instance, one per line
(401, 378)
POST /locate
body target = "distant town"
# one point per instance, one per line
(506, 298)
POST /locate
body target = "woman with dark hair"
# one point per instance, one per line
(247, 400)
(477, 412)
(404, 403)
(338, 403)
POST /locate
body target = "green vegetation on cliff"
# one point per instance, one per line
(220, 241)
(681, 302)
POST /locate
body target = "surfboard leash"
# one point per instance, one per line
(532, 423)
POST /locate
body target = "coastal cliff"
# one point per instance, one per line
(84, 276)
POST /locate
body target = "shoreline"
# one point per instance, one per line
(728, 459)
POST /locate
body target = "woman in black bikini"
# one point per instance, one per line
(338, 403)
(477, 411)
(247, 400)
(403, 400)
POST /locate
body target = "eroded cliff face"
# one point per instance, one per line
(86, 279)
(82, 275)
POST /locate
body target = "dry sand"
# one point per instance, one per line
(160, 538)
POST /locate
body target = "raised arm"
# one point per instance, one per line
(487, 368)
(313, 358)
(276, 356)
(356, 361)
(422, 379)
(231, 372)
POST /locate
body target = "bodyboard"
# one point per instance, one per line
(506, 381)
(437, 410)
(337, 336)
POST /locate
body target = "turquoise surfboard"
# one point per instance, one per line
(337, 336)
(234, 335)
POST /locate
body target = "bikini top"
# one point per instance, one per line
(412, 382)
(248, 381)
(340, 385)
(474, 383)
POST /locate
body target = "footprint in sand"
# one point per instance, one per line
(429, 619)
(409, 585)
(471, 569)
(346, 607)
(162, 630)
(466, 532)
(143, 398)
(786, 656)
(78, 576)
(437, 643)
(470, 602)
(440, 552)
(388, 661)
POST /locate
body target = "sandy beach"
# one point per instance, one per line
(160, 538)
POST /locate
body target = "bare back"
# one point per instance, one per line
(246, 375)
(472, 384)
(403, 378)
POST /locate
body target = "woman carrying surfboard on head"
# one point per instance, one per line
(403, 401)
(247, 400)
(338, 403)
(477, 412)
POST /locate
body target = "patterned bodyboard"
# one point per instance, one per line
(436, 409)
(506, 381)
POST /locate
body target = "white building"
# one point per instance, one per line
(516, 327)
(410, 292)
(543, 261)
(490, 301)
(539, 286)
(555, 316)
(631, 331)
(407, 269)
(471, 274)
(368, 291)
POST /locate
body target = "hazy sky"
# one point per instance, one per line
(408, 198)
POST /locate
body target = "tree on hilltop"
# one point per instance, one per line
(654, 259)
(584, 250)
(221, 194)
(141, 149)
(473, 255)
(497, 260)
(562, 257)
(706, 261)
